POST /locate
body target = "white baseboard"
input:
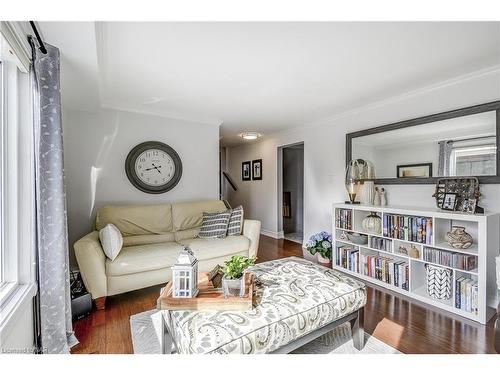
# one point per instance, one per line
(270, 233)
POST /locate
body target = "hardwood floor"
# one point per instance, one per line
(407, 325)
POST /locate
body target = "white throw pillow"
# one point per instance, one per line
(111, 241)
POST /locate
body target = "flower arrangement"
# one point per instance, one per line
(320, 243)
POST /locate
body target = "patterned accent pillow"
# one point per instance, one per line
(214, 225)
(235, 222)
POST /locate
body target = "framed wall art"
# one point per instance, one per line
(257, 169)
(246, 174)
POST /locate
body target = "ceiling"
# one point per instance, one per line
(264, 77)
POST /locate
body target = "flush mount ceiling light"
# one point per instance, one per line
(250, 136)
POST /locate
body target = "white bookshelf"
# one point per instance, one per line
(484, 229)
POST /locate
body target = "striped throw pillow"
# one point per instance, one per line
(214, 225)
(235, 222)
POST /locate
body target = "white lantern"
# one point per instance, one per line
(185, 275)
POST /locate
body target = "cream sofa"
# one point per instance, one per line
(152, 238)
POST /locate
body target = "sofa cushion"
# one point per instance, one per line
(214, 225)
(209, 248)
(143, 258)
(145, 239)
(111, 241)
(187, 234)
(235, 226)
(134, 220)
(189, 215)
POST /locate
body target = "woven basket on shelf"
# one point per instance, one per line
(439, 282)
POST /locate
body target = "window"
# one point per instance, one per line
(477, 160)
(16, 177)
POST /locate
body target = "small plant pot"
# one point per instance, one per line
(324, 261)
(233, 287)
(308, 256)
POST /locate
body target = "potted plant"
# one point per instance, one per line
(320, 246)
(233, 281)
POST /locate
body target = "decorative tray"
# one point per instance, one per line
(208, 298)
(464, 187)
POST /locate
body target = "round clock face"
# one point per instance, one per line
(153, 167)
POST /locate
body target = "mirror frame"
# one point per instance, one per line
(487, 107)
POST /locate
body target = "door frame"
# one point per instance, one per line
(281, 233)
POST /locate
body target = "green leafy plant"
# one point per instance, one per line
(234, 267)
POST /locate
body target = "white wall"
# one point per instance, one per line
(96, 146)
(324, 153)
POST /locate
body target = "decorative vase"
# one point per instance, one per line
(372, 223)
(233, 287)
(308, 256)
(367, 193)
(458, 238)
(414, 253)
(323, 261)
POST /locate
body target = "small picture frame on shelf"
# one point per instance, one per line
(468, 206)
(449, 201)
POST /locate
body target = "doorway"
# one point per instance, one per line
(291, 192)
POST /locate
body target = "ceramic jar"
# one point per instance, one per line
(367, 193)
(458, 238)
(372, 223)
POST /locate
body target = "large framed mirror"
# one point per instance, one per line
(462, 142)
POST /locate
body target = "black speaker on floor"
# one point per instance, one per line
(81, 301)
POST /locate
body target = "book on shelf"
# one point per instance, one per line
(466, 294)
(378, 243)
(446, 258)
(408, 228)
(385, 269)
(343, 219)
(347, 257)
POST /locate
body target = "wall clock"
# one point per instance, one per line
(153, 167)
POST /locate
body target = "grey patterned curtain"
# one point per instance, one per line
(445, 148)
(56, 330)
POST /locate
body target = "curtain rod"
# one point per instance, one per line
(39, 38)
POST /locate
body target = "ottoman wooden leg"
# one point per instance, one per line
(357, 328)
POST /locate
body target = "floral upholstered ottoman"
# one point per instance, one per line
(295, 301)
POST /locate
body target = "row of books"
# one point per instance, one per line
(381, 244)
(385, 269)
(450, 259)
(347, 257)
(343, 219)
(408, 228)
(466, 294)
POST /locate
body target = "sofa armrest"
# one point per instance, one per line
(92, 263)
(251, 230)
